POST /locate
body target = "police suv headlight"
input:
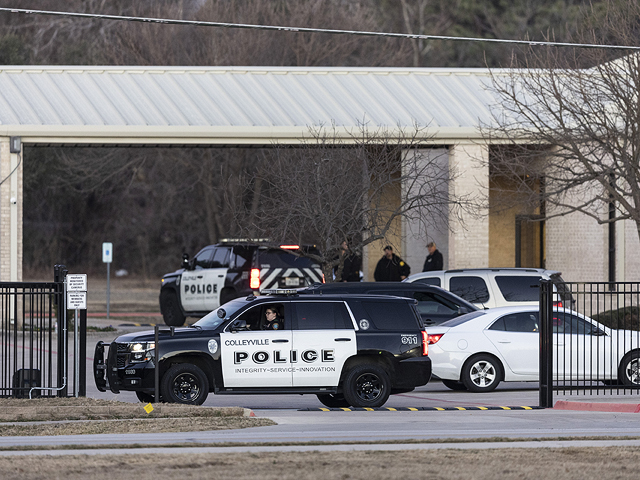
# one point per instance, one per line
(141, 352)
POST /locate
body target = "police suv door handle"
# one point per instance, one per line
(342, 339)
(199, 276)
(280, 340)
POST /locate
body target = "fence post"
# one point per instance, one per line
(546, 344)
(82, 387)
(156, 362)
(59, 273)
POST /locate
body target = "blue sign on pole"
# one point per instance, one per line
(107, 252)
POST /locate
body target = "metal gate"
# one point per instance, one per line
(39, 342)
(589, 339)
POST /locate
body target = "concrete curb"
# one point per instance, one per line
(598, 407)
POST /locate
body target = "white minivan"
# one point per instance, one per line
(497, 287)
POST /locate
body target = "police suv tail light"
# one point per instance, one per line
(254, 280)
(425, 343)
(431, 339)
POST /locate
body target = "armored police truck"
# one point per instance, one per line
(349, 350)
(231, 269)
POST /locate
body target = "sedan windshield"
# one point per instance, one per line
(215, 318)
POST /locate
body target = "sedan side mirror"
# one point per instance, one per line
(238, 325)
(462, 310)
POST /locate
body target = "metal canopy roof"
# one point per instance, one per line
(235, 105)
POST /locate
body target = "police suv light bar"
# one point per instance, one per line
(278, 291)
(290, 247)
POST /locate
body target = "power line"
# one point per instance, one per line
(199, 23)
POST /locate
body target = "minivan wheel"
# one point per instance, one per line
(629, 369)
(332, 400)
(366, 386)
(481, 373)
(170, 308)
(185, 383)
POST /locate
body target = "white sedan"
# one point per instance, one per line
(478, 350)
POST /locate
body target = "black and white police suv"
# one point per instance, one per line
(232, 269)
(349, 350)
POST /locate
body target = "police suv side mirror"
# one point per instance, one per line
(185, 261)
(462, 310)
(238, 325)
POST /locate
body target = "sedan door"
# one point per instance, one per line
(516, 338)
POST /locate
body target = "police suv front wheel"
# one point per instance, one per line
(185, 383)
(366, 386)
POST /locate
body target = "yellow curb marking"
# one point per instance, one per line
(325, 409)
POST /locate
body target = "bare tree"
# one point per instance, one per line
(329, 190)
(571, 119)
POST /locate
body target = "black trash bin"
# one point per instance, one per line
(24, 380)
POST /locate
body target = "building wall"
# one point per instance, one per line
(10, 213)
(578, 247)
(469, 233)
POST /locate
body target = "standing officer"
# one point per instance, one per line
(391, 268)
(434, 259)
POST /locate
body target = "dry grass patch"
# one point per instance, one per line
(152, 425)
(76, 416)
(559, 464)
(46, 409)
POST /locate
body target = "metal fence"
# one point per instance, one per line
(38, 347)
(589, 339)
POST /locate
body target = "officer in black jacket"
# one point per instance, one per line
(434, 260)
(350, 267)
(391, 268)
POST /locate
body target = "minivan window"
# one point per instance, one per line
(390, 315)
(519, 288)
(472, 289)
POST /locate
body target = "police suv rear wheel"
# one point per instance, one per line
(170, 309)
(367, 386)
(185, 383)
(333, 400)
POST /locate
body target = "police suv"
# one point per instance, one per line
(230, 269)
(349, 350)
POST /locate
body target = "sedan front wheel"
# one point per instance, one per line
(481, 373)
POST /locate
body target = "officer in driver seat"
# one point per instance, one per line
(273, 320)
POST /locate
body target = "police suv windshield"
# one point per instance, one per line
(215, 318)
